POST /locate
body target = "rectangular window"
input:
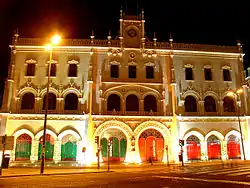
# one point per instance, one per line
(52, 70)
(208, 74)
(189, 73)
(149, 72)
(226, 75)
(114, 71)
(132, 71)
(72, 70)
(30, 69)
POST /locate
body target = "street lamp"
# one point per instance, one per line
(54, 41)
(238, 93)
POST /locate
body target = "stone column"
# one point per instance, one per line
(223, 145)
(220, 107)
(34, 151)
(141, 107)
(57, 151)
(79, 154)
(123, 107)
(3, 123)
(201, 107)
(203, 146)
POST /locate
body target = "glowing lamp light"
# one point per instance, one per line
(48, 47)
(55, 39)
(239, 91)
(230, 94)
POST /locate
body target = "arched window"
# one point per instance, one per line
(132, 103)
(150, 103)
(209, 104)
(71, 102)
(228, 104)
(190, 104)
(28, 101)
(114, 103)
(51, 101)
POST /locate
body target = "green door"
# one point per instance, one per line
(68, 151)
(23, 147)
(123, 148)
(49, 148)
(104, 144)
(115, 144)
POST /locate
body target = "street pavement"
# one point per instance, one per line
(230, 175)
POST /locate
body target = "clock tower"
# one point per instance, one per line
(132, 30)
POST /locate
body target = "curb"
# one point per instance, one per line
(50, 174)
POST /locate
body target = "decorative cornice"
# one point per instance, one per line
(148, 45)
(50, 117)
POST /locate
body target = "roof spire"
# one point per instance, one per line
(142, 14)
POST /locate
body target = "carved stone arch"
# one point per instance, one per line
(152, 125)
(51, 90)
(192, 93)
(40, 133)
(115, 125)
(132, 93)
(226, 93)
(71, 90)
(232, 132)
(156, 95)
(212, 94)
(198, 134)
(23, 131)
(215, 133)
(70, 132)
(27, 90)
(107, 94)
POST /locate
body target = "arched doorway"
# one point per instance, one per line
(213, 147)
(233, 147)
(51, 101)
(209, 104)
(193, 148)
(132, 103)
(71, 102)
(23, 147)
(49, 147)
(118, 145)
(150, 103)
(151, 145)
(28, 101)
(190, 104)
(68, 148)
(228, 104)
(114, 103)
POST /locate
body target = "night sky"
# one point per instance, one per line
(204, 22)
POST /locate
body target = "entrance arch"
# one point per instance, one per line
(161, 128)
(118, 145)
(120, 128)
(151, 145)
(23, 147)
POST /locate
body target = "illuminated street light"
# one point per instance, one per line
(232, 94)
(49, 47)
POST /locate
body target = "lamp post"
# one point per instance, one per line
(54, 41)
(238, 92)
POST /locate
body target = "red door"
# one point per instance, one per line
(160, 149)
(233, 150)
(151, 148)
(214, 151)
(193, 151)
(142, 148)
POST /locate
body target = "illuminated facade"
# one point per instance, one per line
(143, 95)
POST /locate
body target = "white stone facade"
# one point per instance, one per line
(93, 85)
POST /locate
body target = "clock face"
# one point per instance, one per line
(131, 33)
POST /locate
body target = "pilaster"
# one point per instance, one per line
(204, 156)
(34, 151)
(224, 155)
(201, 107)
(3, 123)
(57, 151)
